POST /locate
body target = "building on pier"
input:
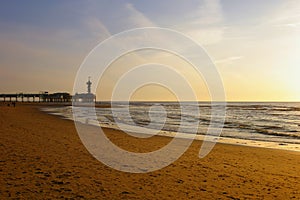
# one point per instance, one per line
(85, 97)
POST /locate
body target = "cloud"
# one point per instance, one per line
(96, 27)
(208, 13)
(288, 25)
(286, 15)
(206, 36)
(205, 24)
(137, 18)
(229, 60)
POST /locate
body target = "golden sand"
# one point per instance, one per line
(41, 156)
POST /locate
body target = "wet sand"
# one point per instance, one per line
(42, 157)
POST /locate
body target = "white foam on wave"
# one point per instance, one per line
(67, 114)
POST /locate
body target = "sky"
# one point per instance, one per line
(254, 44)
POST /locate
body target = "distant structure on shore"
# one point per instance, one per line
(54, 97)
(36, 97)
(85, 97)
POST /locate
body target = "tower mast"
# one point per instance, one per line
(89, 84)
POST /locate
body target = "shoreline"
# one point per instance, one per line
(221, 140)
(42, 156)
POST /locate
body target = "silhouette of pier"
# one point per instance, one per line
(36, 97)
(53, 97)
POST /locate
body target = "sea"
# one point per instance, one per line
(258, 124)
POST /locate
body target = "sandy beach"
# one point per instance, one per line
(42, 157)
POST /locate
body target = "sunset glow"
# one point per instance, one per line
(255, 45)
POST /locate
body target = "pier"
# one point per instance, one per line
(53, 97)
(36, 97)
